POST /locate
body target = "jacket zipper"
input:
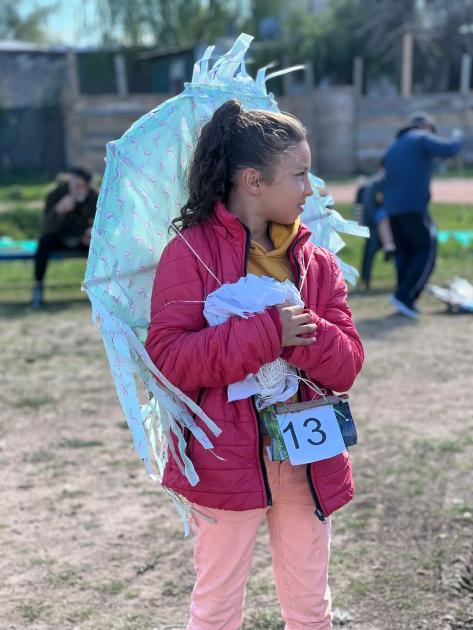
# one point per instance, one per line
(318, 509)
(292, 250)
(269, 496)
(264, 472)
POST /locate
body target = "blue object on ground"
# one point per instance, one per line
(462, 236)
(25, 250)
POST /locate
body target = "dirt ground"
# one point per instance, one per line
(88, 542)
(444, 190)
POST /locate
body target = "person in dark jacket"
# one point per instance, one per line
(67, 223)
(408, 167)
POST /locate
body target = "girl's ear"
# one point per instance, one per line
(251, 180)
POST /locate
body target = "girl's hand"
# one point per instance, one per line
(294, 323)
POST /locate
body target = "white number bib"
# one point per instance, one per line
(311, 435)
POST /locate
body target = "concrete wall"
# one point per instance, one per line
(31, 79)
(347, 135)
(31, 120)
(32, 139)
(92, 121)
(329, 116)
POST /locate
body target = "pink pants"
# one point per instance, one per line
(300, 545)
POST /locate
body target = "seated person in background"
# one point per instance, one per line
(67, 224)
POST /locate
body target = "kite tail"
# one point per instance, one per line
(159, 424)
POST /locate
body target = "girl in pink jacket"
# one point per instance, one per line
(247, 186)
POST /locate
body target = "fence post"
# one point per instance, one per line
(121, 74)
(407, 58)
(358, 76)
(73, 73)
(309, 76)
(465, 76)
(287, 79)
(70, 100)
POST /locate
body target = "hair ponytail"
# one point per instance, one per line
(234, 139)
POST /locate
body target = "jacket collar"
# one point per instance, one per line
(223, 220)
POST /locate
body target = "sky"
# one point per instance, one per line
(72, 22)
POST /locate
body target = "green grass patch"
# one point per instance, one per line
(84, 614)
(453, 259)
(111, 588)
(77, 443)
(132, 594)
(357, 588)
(459, 509)
(32, 402)
(447, 216)
(24, 186)
(31, 192)
(137, 621)
(66, 577)
(41, 457)
(32, 611)
(453, 216)
(173, 588)
(444, 446)
(41, 562)
(264, 620)
(21, 223)
(63, 281)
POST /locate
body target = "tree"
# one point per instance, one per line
(329, 38)
(164, 22)
(445, 22)
(27, 28)
(437, 42)
(332, 38)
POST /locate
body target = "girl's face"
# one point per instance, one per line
(283, 199)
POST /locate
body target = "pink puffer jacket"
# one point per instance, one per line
(203, 360)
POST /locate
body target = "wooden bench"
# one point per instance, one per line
(25, 255)
(13, 254)
(11, 250)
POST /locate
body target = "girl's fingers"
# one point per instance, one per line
(303, 341)
(303, 318)
(306, 328)
(293, 309)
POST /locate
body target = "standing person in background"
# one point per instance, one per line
(67, 223)
(369, 207)
(408, 167)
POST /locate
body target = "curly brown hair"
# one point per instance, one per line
(234, 139)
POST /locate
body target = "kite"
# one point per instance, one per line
(143, 189)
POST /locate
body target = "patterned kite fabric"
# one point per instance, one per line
(143, 189)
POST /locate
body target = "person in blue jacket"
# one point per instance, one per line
(408, 165)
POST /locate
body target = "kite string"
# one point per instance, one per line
(195, 253)
(96, 281)
(306, 270)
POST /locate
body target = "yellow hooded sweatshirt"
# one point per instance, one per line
(274, 263)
